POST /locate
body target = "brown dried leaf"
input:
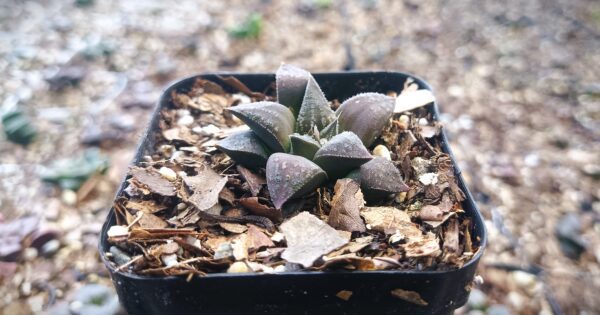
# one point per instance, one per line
(354, 246)
(227, 195)
(451, 244)
(233, 227)
(257, 239)
(344, 295)
(240, 247)
(255, 207)
(349, 261)
(255, 181)
(206, 186)
(153, 181)
(150, 221)
(435, 224)
(431, 213)
(422, 246)
(345, 208)
(389, 220)
(145, 206)
(308, 239)
(409, 296)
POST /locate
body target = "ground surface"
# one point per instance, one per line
(518, 83)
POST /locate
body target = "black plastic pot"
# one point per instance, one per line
(298, 292)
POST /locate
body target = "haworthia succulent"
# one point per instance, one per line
(342, 154)
(366, 115)
(245, 148)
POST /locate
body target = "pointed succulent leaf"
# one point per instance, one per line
(303, 145)
(272, 122)
(245, 148)
(290, 176)
(315, 110)
(366, 115)
(291, 84)
(331, 130)
(342, 154)
(380, 178)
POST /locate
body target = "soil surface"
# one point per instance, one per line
(518, 83)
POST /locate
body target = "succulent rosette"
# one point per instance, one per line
(303, 144)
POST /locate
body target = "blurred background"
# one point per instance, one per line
(518, 82)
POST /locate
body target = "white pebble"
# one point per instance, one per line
(238, 267)
(185, 120)
(168, 173)
(117, 230)
(382, 151)
(428, 179)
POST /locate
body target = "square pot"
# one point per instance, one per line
(304, 292)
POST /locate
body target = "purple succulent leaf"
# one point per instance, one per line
(303, 145)
(315, 110)
(291, 85)
(366, 115)
(380, 178)
(245, 148)
(341, 154)
(270, 121)
(290, 176)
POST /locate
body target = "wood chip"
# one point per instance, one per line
(389, 220)
(257, 239)
(233, 227)
(308, 238)
(345, 206)
(206, 186)
(255, 207)
(255, 182)
(153, 181)
(344, 295)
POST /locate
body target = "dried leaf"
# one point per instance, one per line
(409, 100)
(255, 207)
(153, 181)
(345, 206)
(308, 238)
(240, 247)
(409, 296)
(431, 213)
(233, 227)
(422, 246)
(272, 122)
(255, 181)
(389, 220)
(145, 206)
(341, 154)
(150, 221)
(349, 261)
(344, 295)
(290, 176)
(351, 115)
(206, 186)
(451, 241)
(257, 239)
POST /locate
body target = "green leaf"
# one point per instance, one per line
(304, 145)
(379, 178)
(315, 110)
(342, 154)
(251, 27)
(245, 148)
(366, 115)
(272, 123)
(291, 176)
(291, 84)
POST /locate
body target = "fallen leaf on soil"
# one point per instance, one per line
(409, 296)
(255, 182)
(146, 206)
(389, 220)
(152, 180)
(422, 246)
(257, 239)
(431, 213)
(308, 238)
(255, 207)
(233, 227)
(345, 206)
(150, 221)
(206, 186)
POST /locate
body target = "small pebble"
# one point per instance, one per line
(403, 122)
(169, 260)
(117, 231)
(382, 151)
(238, 267)
(185, 120)
(168, 173)
(30, 254)
(223, 251)
(68, 197)
(51, 247)
(498, 309)
(477, 299)
(428, 179)
(119, 256)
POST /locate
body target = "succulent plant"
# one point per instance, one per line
(304, 144)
